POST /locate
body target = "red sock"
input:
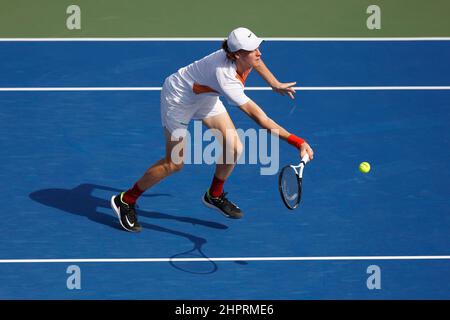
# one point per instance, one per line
(216, 188)
(132, 194)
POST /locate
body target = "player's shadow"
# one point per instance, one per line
(80, 201)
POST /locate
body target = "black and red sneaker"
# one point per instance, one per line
(225, 206)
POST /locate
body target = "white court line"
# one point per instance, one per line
(222, 38)
(83, 89)
(352, 88)
(122, 260)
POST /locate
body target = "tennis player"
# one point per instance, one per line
(193, 93)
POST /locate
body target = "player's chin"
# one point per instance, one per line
(256, 63)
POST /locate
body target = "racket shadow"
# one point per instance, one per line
(181, 261)
(206, 266)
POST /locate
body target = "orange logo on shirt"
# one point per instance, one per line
(199, 89)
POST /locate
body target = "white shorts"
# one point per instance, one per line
(175, 117)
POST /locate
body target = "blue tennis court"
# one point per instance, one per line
(65, 152)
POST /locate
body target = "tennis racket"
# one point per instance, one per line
(290, 183)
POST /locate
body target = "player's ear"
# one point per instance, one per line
(239, 54)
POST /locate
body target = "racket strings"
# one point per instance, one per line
(290, 187)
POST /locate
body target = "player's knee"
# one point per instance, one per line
(171, 166)
(238, 149)
(175, 166)
(233, 152)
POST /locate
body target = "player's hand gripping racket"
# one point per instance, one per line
(290, 183)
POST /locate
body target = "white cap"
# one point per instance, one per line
(243, 38)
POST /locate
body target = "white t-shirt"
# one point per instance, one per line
(211, 76)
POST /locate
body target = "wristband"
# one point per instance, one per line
(295, 141)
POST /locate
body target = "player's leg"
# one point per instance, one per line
(231, 144)
(124, 203)
(172, 162)
(231, 150)
(174, 119)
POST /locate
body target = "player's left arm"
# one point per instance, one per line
(261, 118)
(272, 81)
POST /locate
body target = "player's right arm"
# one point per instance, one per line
(264, 121)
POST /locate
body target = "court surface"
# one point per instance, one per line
(65, 152)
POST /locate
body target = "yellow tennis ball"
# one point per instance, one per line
(364, 167)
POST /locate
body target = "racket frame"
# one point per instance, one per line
(298, 169)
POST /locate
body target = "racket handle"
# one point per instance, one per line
(305, 159)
